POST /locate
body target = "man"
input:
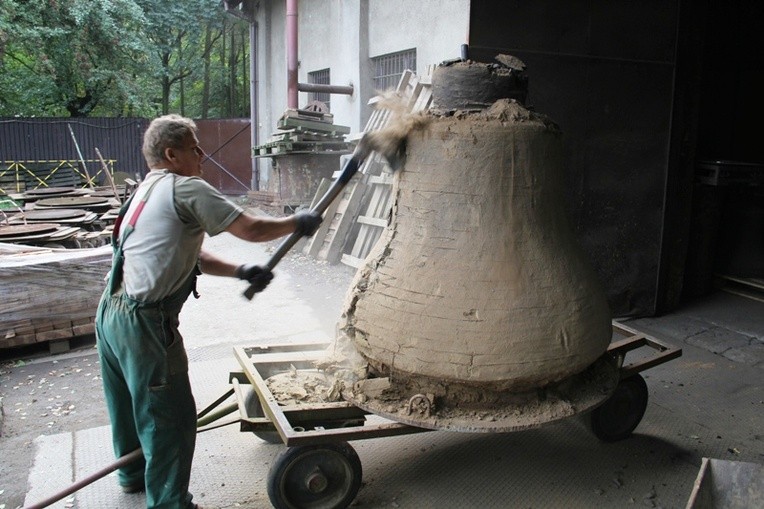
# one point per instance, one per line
(158, 253)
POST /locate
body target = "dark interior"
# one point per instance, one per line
(659, 104)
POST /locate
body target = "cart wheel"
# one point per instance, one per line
(616, 418)
(255, 409)
(324, 476)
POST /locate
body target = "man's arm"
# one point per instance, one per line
(257, 229)
(261, 228)
(211, 264)
(258, 276)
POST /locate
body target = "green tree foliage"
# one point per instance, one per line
(119, 58)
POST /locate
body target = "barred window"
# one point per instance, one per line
(389, 68)
(321, 77)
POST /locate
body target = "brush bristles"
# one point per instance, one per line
(390, 141)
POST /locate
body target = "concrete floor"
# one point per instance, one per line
(708, 403)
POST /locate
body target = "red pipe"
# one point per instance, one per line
(291, 40)
(124, 460)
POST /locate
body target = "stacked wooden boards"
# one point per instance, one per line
(49, 294)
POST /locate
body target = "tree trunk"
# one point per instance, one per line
(165, 84)
(182, 80)
(232, 73)
(223, 60)
(206, 78)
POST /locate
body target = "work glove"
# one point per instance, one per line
(256, 275)
(307, 223)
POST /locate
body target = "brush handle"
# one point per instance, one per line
(350, 169)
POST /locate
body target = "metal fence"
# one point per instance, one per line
(41, 152)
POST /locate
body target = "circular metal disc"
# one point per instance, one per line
(54, 213)
(45, 191)
(107, 193)
(15, 230)
(72, 201)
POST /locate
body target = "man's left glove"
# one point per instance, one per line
(256, 275)
(307, 223)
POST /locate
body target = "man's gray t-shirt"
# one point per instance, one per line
(164, 247)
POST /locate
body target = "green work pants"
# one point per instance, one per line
(145, 376)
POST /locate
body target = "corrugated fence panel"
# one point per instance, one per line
(46, 145)
(49, 139)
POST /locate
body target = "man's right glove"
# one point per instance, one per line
(307, 222)
(256, 275)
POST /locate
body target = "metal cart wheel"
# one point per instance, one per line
(255, 409)
(326, 476)
(617, 418)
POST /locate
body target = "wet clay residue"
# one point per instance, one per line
(343, 375)
(300, 386)
(457, 407)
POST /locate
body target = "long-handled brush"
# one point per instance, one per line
(390, 142)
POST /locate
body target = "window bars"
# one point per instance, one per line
(389, 68)
(321, 77)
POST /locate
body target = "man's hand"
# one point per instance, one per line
(307, 223)
(256, 275)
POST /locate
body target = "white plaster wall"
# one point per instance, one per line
(436, 28)
(343, 35)
(331, 35)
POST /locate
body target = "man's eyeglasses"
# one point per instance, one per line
(196, 148)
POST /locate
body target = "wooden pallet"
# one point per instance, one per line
(318, 116)
(309, 147)
(300, 136)
(321, 245)
(303, 124)
(44, 331)
(338, 228)
(354, 222)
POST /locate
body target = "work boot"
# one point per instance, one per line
(135, 487)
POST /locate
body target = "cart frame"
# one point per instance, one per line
(259, 363)
(319, 469)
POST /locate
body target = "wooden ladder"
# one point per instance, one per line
(354, 221)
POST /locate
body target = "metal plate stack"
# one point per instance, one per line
(49, 192)
(78, 217)
(107, 192)
(37, 233)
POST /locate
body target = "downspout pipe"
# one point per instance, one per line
(253, 111)
(291, 36)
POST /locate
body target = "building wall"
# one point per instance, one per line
(436, 28)
(343, 35)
